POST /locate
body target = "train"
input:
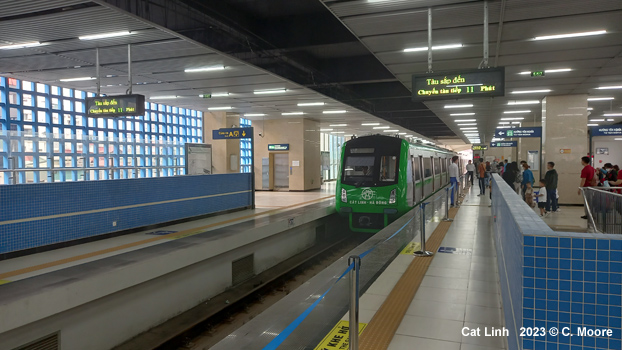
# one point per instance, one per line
(383, 177)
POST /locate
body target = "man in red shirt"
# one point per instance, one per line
(587, 175)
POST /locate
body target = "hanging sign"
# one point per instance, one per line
(278, 147)
(479, 147)
(520, 132)
(606, 130)
(504, 144)
(115, 106)
(232, 133)
(459, 84)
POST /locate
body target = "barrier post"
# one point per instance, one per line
(354, 301)
(423, 252)
(447, 203)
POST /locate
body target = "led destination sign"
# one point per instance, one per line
(479, 148)
(115, 106)
(459, 84)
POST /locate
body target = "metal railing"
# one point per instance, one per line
(604, 209)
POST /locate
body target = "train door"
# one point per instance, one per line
(428, 178)
(436, 161)
(418, 183)
(410, 181)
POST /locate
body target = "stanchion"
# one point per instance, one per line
(447, 203)
(354, 301)
(423, 252)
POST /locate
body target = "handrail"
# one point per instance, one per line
(604, 209)
(588, 209)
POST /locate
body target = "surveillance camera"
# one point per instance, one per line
(260, 134)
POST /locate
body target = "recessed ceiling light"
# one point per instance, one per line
(20, 46)
(502, 123)
(592, 124)
(459, 106)
(222, 94)
(531, 91)
(529, 102)
(393, 130)
(334, 112)
(370, 124)
(311, 104)
(515, 122)
(512, 118)
(597, 120)
(550, 71)
(292, 113)
(401, 133)
(460, 114)
(382, 127)
(503, 127)
(339, 132)
(570, 35)
(469, 128)
(465, 120)
(590, 108)
(467, 124)
(104, 36)
(440, 47)
(203, 69)
(618, 139)
(610, 120)
(517, 112)
(326, 129)
(254, 115)
(339, 125)
(170, 97)
(609, 87)
(78, 79)
(219, 108)
(274, 91)
(601, 98)
(613, 114)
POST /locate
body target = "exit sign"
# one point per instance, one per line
(539, 73)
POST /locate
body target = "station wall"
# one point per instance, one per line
(614, 150)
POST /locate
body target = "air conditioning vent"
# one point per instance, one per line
(49, 342)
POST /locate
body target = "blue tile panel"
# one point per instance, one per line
(566, 279)
(36, 215)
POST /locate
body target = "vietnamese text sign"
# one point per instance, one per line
(479, 147)
(278, 147)
(504, 144)
(520, 132)
(115, 106)
(232, 133)
(606, 130)
(459, 84)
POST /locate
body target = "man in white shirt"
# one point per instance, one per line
(470, 170)
(454, 175)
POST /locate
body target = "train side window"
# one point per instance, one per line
(388, 168)
(417, 169)
(443, 165)
(437, 166)
(427, 167)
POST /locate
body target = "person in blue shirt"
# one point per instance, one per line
(527, 178)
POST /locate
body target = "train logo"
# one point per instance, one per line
(367, 194)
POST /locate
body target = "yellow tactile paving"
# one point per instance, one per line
(384, 324)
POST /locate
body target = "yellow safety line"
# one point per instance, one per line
(145, 241)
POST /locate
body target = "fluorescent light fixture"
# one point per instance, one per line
(469, 128)
(592, 124)
(339, 132)
(464, 120)
(550, 71)
(78, 79)
(326, 129)
(203, 69)
(515, 122)
(440, 47)
(502, 123)
(467, 124)
(20, 46)
(104, 36)
(590, 108)
(503, 127)
(292, 113)
(609, 87)
(170, 97)
(254, 115)
(597, 120)
(401, 133)
(339, 125)
(610, 120)
(391, 130)
(219, 108)
(612, 114)
(517, 112)
(570, 35)
(531, 91)
(459, 106)
(409, 135)
(223, 94)
(370, 124)
(334, 112)
(529, 102)
(382, 127)
(512, 118)
(601, 98)
(311, 104)
(460, 114)
(274, 91)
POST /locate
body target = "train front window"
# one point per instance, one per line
(359, 170)
(388, 168)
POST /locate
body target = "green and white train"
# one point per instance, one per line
(383, 177)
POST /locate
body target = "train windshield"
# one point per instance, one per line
(370, 170)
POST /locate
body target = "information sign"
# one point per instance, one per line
(115, 106)
(520, 132)
(232, 133)
(504, 144)
(278, 147)
(459, 84)
(610, 130)
(479, 147)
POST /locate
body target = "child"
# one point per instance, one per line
(541, 198)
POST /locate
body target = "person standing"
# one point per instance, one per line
(481, 171)
(519, 176)
(509, 175)
(527, 178)
(454, 175)
(588, 177)
(550, 178)
(470, 172)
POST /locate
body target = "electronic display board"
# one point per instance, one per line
(115, 106)
(459, 84)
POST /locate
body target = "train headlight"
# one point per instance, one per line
(392, 196)
(344, 195)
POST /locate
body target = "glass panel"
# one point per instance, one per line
(388, 168)
(427, 167)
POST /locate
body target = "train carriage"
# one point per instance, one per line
(383, 177)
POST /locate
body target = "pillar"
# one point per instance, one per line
(222, 150)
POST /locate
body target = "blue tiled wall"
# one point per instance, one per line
(552, 279)
(35, 215)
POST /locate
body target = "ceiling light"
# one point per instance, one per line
(78, 79)
(469, 128)
(531, 91)
(326, 129)
(277, 91)
(501, 123)
(609, 87)
(163, 97)
(550, 71)
(254, 115)
(409, 135)
(339, 132)
(292, 113)
(571, 35)
(20, 46)
(440, 47)
(382, 127)
(459, 106)
(517, 112)
(393, 130)
(597, 120)
(203, 69)
(219, 108)
(600, 98)
(104, 36)
(401, 133)
(334, 112)
(515, 122)
(610, 120)
(503, 126)
(339, 125)
(512, 118)
(311, 104)
(460, 114)
(529, 102)
(592, 124)
(224, 94)
(370, 124)
(467, 124)
(618, 139)
(590, 108)
(613, 114)
(464, 120)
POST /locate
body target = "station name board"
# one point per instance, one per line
(459, 84)
(520, 132)
(479, 147)
(606, 130)
(115, 106)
